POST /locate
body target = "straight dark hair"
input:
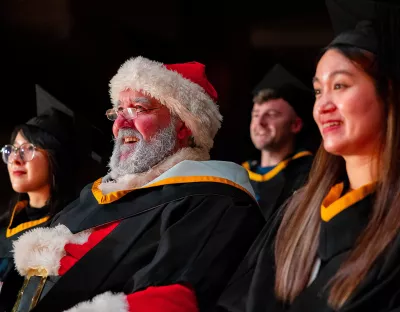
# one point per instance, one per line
(61, 177)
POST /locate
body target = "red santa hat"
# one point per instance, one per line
(183, 88)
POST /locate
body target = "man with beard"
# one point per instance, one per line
(165, 229)
(281, 105)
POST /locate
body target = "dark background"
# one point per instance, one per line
(73, 47)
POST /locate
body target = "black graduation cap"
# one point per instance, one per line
(290, 88)
(352, 22)
(371, 25)
(53, 117)
(64, 124)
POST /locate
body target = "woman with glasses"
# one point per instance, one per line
(40, 164)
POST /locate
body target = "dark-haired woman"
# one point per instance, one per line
(338, 245)
(39, 159)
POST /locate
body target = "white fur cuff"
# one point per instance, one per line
(44, 248)
(106, 302)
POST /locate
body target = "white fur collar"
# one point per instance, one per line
(131, 181)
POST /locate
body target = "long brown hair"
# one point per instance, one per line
(296, 249)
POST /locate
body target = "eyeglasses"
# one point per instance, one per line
(128, 113)
(26, 152)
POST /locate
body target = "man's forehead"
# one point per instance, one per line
(137, 100)
(132, 97)
(276, 104)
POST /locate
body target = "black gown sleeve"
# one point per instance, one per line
(202, 247)
(254, 279)
(380, 290)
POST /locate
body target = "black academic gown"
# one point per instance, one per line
(276, 186)
(23, 219)
(251, 288)
(189, 233)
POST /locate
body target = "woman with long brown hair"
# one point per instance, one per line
(338, 245)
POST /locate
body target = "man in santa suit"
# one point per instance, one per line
(166, 228)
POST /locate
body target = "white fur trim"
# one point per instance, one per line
(131, 181)
(105, 302)
(183, 97)
(44, 247)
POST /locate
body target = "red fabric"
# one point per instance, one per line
(171, 298)
(75, 252)
(195, 72)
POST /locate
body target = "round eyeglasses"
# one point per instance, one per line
(25, 151)
(128, 112)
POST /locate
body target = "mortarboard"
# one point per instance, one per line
(352, 22)
(53, 117)
(289, 88)
(370, 25)
(64, 124)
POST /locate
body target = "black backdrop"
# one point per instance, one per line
(72, 48)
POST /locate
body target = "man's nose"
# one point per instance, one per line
(263, 122)
(122, 122)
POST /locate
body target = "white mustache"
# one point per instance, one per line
(142, 155)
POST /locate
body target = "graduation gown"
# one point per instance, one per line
(343, 219)
(191, 226)
(275, 187)
(23, 218)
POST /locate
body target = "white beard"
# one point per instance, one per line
(146, 160)
(110, 184)
(142, 156)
